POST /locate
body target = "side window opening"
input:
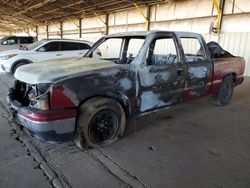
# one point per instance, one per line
(10, 41)
(84, 46)
(111, 48)
(52, 46)
(121, 50)
(163, 51)
(133, 48)
(193, 50)
(69, 46)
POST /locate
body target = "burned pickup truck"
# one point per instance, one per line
(90, 99)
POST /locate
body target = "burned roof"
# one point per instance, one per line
(145, 33)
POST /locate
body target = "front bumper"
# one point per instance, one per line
(5, 66)
(51, 125)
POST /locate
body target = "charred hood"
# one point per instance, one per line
(49, 71)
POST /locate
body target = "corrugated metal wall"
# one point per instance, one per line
(238, 44)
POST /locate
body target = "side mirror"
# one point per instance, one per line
(42, 49)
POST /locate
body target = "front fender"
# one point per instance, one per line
(126, 103)
(19, 61)
(116, 83)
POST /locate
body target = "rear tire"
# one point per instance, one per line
(225, 92)
(17, 66)
(100, 121)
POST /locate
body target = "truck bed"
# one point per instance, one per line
(224, 66)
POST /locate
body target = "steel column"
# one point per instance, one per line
(219, 6)
(37, 32)
(47, 31)
(61, 30)
(80, 27)
(146, 17)
(105, 22)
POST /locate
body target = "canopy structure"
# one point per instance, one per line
(17, 14)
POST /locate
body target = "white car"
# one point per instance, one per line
(15, 42)
(46, 49)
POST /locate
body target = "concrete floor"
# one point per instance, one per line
(17, 167)
(195, 144)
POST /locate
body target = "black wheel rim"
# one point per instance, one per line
(226, 92)
(103, 126)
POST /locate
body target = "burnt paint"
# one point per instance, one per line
(117, 82)
(140, 87)
(160, 86)
(225, 66)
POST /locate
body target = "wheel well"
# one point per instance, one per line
(231, 74)
(120, 101)
(234, 77)
(19, 61)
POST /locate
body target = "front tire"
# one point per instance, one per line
(225, 92)
(100, 121)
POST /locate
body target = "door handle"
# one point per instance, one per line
(81, 53)
(179, 72)
(151, 70)
(157, 86)
(58, 54)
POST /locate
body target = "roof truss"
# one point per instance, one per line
(19, 14)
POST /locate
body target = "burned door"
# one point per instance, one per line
(161, 80)
(199, 68)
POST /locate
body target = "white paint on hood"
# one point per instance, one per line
(48, 71)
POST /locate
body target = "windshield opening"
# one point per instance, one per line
(2, 39)
(35, 45)
(121, 50)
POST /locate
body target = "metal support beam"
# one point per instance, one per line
(219, 6)
(146, 17)
(61, 30)
(34, 6)
(222, 5)
(47, 31)
(80, 27)
(105, 22)
(73, 21)
(233, 6)
(55, 24)
(37, 32)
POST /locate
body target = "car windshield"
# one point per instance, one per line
(2, 39)
(34, 45)
(122, 50)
